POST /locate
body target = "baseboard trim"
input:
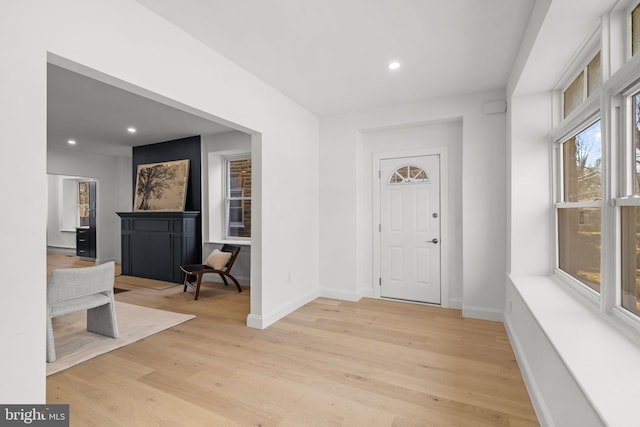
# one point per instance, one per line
(482, 313)
(264, 321)
(255, 321)
(365, 293)
(339, 294)
(60, 250)
(455, 303)
(539, 406)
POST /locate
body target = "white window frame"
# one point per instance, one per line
(583, 60)
(622, 186)
(612, 105)
(628, 42)
(585, 114)
(569, 129)
(226, 195)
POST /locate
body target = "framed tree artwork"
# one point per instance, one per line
(161, 187)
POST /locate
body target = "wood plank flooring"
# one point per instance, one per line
(330, 363)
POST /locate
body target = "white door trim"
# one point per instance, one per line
(445, 235)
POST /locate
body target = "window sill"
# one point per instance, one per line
(600, 355)
(230, 242)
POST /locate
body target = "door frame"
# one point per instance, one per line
(445, 234)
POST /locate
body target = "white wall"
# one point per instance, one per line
(123, 43)
(56, 236)
(530, 231)
(345, 236)
(23, 123)
(113, 189)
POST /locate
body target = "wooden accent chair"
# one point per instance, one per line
(219, 262)
(76, 289)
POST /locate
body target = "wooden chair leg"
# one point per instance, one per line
(235, 282)
(224, 279)
(198, 286)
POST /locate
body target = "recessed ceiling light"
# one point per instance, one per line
(71, 142)
(131, 130)
(394, 65)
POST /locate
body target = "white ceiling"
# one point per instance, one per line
(96, 115)
(330, 56)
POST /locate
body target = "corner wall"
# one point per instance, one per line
(530, 216)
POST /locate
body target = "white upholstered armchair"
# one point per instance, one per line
(87, 288)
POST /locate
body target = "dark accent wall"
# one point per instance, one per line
(178, 149)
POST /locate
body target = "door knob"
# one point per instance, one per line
(434, 240)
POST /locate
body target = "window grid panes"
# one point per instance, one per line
(238, 198)
(598, 241)
(584, 85)
(635, 30)
(582, 156)
(408, 174)
(594, 75)
(629, 238)
(574, 94)
(630, 259)
(579, 241)
(579, 227)
(83, 198)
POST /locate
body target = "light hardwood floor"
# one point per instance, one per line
(330, 363)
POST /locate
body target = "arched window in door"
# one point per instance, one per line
(408, 174)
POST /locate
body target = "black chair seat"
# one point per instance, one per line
(193, 269)
(194, 272)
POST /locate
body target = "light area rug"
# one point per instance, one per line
(145, 283)
(74, 344)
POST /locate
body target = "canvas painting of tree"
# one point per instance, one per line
(161, 186)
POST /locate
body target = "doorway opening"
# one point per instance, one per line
(71, 216)
(111, 105)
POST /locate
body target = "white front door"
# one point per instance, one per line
(410, 228)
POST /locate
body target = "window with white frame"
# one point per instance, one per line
(237, 196)
(588, 81)
(579, 208)
(628, 201)
(597, 180)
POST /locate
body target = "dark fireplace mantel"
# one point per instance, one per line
(155, 244)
